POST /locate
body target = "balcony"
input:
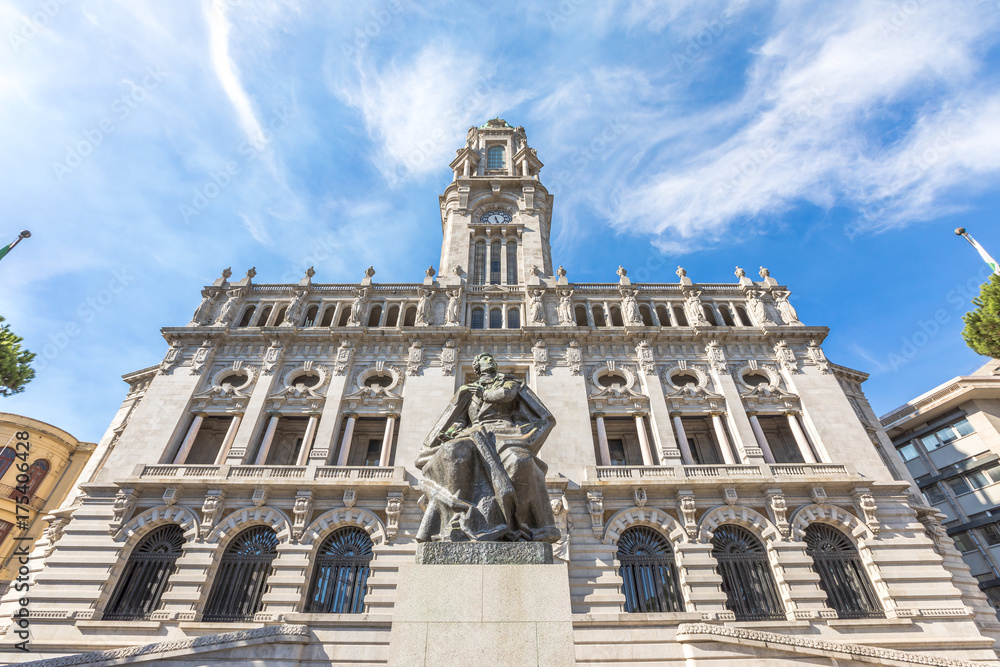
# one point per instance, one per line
(715, 472)
(272, 475)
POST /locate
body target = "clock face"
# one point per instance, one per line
(495, 217)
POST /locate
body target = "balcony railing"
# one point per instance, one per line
(610, 473)
(7, 491)
(274, 473)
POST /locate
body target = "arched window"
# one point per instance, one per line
(513, 318)
(511, 262)
(599, 317)
(494, 157)
(31, 480)
(410, 316)
(341, 574)
(495, 249)
(242, 576)
(375, 315)
(746, 575)
(479, 264)
(727, 316)
(710, 316)
(328, 314)
(616, 317)
(496, 319)
(645, 316)
(478, 318)
(580, 313)
(311, 314)
(744, 318)
(144, 578)
(7, 456)
(281, 315)
(682, 320)
(663, 315)
(265, 313)
(247, 314)
(841, 573)
(648, 572)
(345, 315)
(392, 317)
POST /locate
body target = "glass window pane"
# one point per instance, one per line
(993, 472)
(617, 449)
(908, 452)
(947, 434)
(964, 542)
(978, 480)
(935, 495)
(959, 486)
(930, 442)
(964, 427)
(991, 534)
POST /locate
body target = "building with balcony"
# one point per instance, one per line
(39, 466)
(723, 491)
(949, 438)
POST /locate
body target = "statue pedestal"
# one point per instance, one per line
(490, 613)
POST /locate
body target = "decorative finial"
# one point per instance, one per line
(310, 272)
(681, 272)
(457, 270)
(960, 231)
(740, 273)
(226, 272)
(252, 272)
(764, 273)
(621, 271)
(561, 272)
(370, 271)
(430, 271)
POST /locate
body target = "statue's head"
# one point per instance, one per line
(484, 363)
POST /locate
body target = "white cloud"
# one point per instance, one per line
(228, 73)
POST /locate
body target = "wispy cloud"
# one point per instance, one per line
(227, 71)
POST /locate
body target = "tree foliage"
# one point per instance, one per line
(15, 371)
(982, 325)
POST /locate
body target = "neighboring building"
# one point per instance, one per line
(950, 441)
(42, 466)
(720, 485)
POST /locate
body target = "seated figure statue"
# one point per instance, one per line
(482, 479)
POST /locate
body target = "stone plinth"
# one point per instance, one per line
(496, 615)
(484, 553)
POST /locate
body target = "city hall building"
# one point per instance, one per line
(723, 492)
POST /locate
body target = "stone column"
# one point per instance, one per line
(720, 435)
(228, 441)
(307, 441)
(800, 438)
(640, 425)
(758, 433)
(265, 444)
(682, 441)
(659, 421)
(192, 433)
(390, 431)
(345, 443)
(602, 441)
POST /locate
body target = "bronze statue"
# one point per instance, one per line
(483, 480)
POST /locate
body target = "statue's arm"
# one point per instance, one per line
(505, 393)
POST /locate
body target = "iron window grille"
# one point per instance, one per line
(648, 572)
(479, 264)
(477, 318)
(751, 593)
(144, 579)
(341, 575)
(513, 318)
(511, 262)
(841, 573)
(494, 158)
(241, 579)
(496, 318)
(7, 456)
(496, 248)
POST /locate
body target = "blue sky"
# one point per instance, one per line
(149, 145)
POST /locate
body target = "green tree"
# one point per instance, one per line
(15, 371)
(982, 325)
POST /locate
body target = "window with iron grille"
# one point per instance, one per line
(648, 572)
(242, 576)
(36, 473)
(7, 456)
(479, 264)
(5, 527)
(495, 249)
(496, 318)
(341, 575)
(145, 576)
(477, 318)
(511, 262)
(841, 573)
(746, 575)
(494, 157)
(513, 318)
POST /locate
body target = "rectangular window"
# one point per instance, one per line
(959, 486)
(616, 447)
(964, 427)
(930, 442)
(934, 495)
(908, 452)
(964, 542)
(991, 534)
(5, 527)
(374, 454)
(511, 263)
(993, 473)
(495, 250)
(978, 479)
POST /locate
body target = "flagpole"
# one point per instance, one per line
(20, 237)
(980, 249)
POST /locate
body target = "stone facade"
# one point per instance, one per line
(685, 408)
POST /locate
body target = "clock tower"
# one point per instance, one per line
(495, 214)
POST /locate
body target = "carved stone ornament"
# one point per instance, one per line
(595, 504)
(729, 495)
(125, 501)
(716, 356)
(229, 308)
(343, 358)
(644, 354)
(272, 357)
(639, 495)
(785, 357)
(565, 309)
(173, 356)
(425, 315)
(785, 309)
(449, 357)
(300, 512)
(54, 531)
(540, 357)
(536, 309)
(688, 510)
(453, 315)
(203, 313)
(817, 357)
(758, 311)
(779, 511)
(415, 358)
(170, 496)
(393, 508)
(574, 358)
(294, 310)
(694, 308)
(358, 307)
(210, 512)
(259, 497)
(350, 497)
(865, 502)
(202, 357)
(818, 494)
(564, 522)
(482, 479)
(630, 309)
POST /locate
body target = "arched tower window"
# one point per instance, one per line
(646, 316)
(144, 578)
(494, 157)
(710, 316)
(310, 320)
(682, 320)
(345, 315)
(746, 575)
(512, 262)
(727, 316)
(478, 318)
(580, 313)
(663, 316)
(247, 314)
(328, 314)
(841, 573)
(496, 318)
(513, 318)
(31, 480)
(495, 249)
(599, 317)
(648, 572)
(264, 314)
(281, 316)
(375, 315)
(410, 316)
(479, 264)
(616, 317)
(242, 576)
(392, 316)
(7, 456)
(341, 574)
